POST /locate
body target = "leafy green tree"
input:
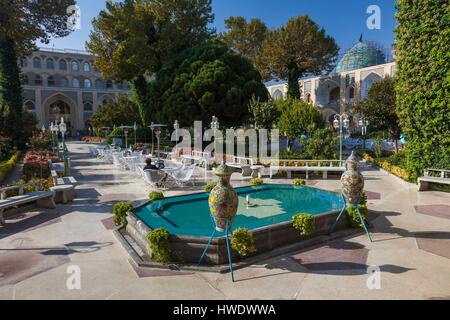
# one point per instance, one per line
(380, 108)
(208, 79)
(298, 48)
(22, 22)
(245, 37)
(298, 118)
(133, 39)
(264, 114)
(120, 112)
(321, 145)
(423, 82)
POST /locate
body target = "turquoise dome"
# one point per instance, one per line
(362, 55)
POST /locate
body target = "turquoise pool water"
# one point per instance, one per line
(189, 214)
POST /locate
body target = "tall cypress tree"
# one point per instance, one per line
(10, 88)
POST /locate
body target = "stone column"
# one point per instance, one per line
(41, 114)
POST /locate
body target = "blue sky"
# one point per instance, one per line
(345, 20)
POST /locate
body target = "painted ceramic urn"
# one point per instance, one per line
(352, 181)
(223, 200)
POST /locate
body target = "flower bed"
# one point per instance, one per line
(92, 139)
(387, 164)
(6, 167)
(35, 164)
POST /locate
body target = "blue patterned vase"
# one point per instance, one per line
(223, 200)
(352, 181)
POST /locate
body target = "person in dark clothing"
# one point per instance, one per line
(150, 165)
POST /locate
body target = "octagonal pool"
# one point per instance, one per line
(189, 215)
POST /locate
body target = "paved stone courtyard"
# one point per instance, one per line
(411, 247)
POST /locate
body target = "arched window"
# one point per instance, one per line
(64, 82)
(50, 63)
(86, 67)
(99, 84)
(351, 93)
(308, 98)
(75, 65)
(119, 85)
(62, 64)
(30, 106)
(335, 95)
(87, 83)
(51, 81)
(36, 62)
(24, 80)
(87, 107)
(23, 62)
(38, 80)
(75, 83)
(109, 84)
(277, 95)
(104, 100)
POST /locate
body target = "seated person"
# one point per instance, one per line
(150, 165)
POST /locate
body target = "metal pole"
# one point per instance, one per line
(340, 138)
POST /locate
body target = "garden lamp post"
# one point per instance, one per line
(135, 133)
(341, 121)
(215, 125)
(63, 130)
(52, 130)
(176, 126)
(363, 124)
(157, 128)
(125, 130)
(152, 128)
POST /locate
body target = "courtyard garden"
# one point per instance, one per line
(199, 170)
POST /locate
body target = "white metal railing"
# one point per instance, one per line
(308, 163)
(442, 172)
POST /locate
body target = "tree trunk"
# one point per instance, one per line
(293, 85)
(11, 89)
(141, 87)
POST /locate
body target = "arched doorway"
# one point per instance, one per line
(60, 109)
(60, 106)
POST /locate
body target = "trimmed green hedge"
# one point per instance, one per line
(423, 82)
(6, 167)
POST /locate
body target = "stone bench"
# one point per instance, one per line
(43, 199)
(63, 193)
(57, 180)
(424, 182)
(284, 165)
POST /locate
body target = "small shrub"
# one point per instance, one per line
(256, 182)
(242, 242)
(159, 244)
(7, 166)
(353, 216)
(120, 212)
(304, 223)
(155, 195)
(298, 182)
(209, 187)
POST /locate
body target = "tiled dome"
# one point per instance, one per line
(362, 55)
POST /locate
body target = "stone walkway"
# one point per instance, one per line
(411, 249)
